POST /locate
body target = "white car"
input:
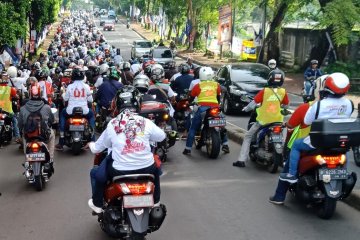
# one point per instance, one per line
(140, 48)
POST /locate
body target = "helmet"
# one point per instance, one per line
(126, 66)
(197, 72)
(172, 64)
(185, 69)
(72, 65)
(157, 73)
(206, 73)
(147, 63)
(114, 74)
(77, 74)
(41, 75)
(103, 68)
(58, 70)
(272, 63)
(4, 78)
(141, 82)
(12, 71)
(118, 51)
(91, 64)
(337, 84)
(35, 91)
(314, 61)
(276, 78)
(127, 98)
(81, 62)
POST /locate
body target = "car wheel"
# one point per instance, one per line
(227, 108)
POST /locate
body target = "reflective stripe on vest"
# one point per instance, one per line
(208, 92)
(269, 111)
(5, 103)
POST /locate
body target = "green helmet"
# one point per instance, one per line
(114, 74)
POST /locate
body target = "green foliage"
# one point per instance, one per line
(351, 69)
(44, 12)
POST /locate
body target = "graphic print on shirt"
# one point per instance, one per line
(131, 127)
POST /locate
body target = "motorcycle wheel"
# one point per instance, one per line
(39, 183)
(327, 208)
(137, 236)
(276, 161)
(356, 151)
(212, 143)
(76, 148)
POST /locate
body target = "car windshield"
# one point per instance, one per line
(249, 73)
(162, 53)
(143, 44)
(109, 22)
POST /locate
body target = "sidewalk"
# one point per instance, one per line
(293, 84)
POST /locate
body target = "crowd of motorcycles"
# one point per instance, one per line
(79, 43)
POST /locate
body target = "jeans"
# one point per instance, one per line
(283, 186)
(15, 125)
(90, 116)
(196, 124)
(307, 86)
(297, 147)
(99, 173)
(98, 192)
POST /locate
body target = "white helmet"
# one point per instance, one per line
(81, 62)
(72, 65)
(103, 68)
(12, 72)
(206, 73)
(91, 64)
(337, 84)
(272, 63)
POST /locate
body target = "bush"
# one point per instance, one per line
(352, 70)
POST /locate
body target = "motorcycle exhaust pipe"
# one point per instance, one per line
(157, 217)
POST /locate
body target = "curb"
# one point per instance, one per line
(236, 134)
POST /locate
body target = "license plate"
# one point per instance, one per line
(276, 138)
(76, 128)
(35, 157)
(131, 201)
(217, 123)
(333, 174)
(2, 122)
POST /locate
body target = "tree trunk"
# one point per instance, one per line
(170, 31)
(191, 17)
(147, 14)
(272, 39)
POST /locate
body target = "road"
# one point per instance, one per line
(206, 200)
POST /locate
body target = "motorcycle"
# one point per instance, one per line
(128, 24)
(6, 128)
(356, 149)
(78, 131)
(323, 175)
(212, 131)
(159, 113)
(182, 111)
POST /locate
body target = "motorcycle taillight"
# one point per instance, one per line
(35, 147)
(137, 188)
(277, 129)
(77, 121)
(2, 116)
(331, 161)
(214, 112)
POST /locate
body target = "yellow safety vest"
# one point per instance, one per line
(5, 103)
(270, 108)
(208, 92)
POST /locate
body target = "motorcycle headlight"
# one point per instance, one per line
(236, 91)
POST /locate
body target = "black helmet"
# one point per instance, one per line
(276, 78)
(127, 98)
(77, 74)
(185, 68)
(58, 70)
(40, 75)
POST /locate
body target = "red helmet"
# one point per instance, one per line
(35, 91)
(148, 63)
(337, 84)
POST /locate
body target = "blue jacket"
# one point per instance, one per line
(181, 83)
(312, 73)
(107, 91)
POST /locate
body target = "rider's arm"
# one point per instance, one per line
(310, 114)
(88, 93)
(103, 142)
(285, 100)
(298, 116)
(67, 94)
(156, 134)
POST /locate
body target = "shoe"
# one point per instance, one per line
(18, 140)
(239, 164)
(199, 145)
(96, 209)
(186, 152)
(59, 147)
(287, 177)
(275, 201)
(225, 149)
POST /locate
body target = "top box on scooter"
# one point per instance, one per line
(335, 133)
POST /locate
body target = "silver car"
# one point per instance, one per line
(140, 48)
(163, 56)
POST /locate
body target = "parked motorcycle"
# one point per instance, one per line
(77, 131)
(212, 131)
(6, 128)
(323, 175)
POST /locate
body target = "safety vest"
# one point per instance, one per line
(269, 111)
(208, 92)
(5, 103)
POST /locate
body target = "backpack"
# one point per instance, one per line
(35, 127)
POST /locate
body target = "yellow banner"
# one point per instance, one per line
(248, 50)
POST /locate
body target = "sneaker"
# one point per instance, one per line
(186, 152)
(59, 147)
(275, 201)
(287, 177)
(225, 149)
(239, 164)
(96, 209)
(18, 140)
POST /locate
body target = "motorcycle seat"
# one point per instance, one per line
(133, 177)
(77, 111)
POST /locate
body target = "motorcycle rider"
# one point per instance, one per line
(171, 71)
(311, 74)
(182, 82)
(333, 105)
(118, 58)
(77, 94)
(128, 136)
(36, 104)
(271, 98)
(127, 77)
(103, 71)
(189, 61)
(208, 93)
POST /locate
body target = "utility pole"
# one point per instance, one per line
(233, 6)
(263, 28)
